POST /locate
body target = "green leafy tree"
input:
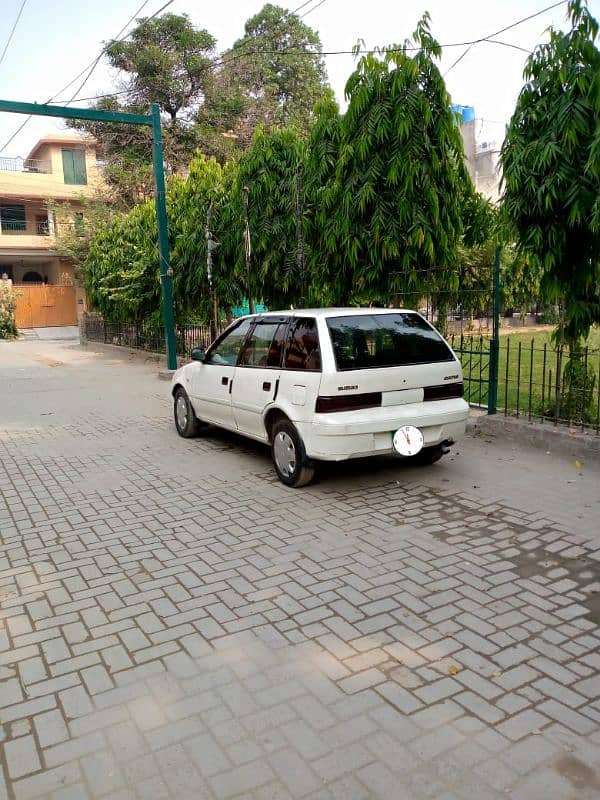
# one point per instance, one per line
(393, 208)
(168, 62)
(551, 167)
(274, 75)
(122, 267)
(268, 177)
(75, 230)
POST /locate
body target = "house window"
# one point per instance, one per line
(12, 218)
(79, 224)
(74, 166)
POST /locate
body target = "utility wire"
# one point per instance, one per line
(95, 63)
(300, 51)
(90, 65)
(503, 30)
(314, 8)
(12, 31)
(306, 3)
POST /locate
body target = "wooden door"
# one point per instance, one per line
(42, 306)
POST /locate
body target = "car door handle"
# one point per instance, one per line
(224, 381)
(266, 386)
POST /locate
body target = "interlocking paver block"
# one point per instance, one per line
(21, 756)
(50, 728)
(378, 634)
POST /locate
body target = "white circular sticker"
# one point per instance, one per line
(408, 440)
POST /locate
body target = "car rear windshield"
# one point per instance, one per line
(368, 341)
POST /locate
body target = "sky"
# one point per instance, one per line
(54, 41)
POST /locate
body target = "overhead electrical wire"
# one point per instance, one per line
(489, 39)
(95, 63)
(91, 66)
(326, 53)
(12, 31)
(503, 30)
(314, 8)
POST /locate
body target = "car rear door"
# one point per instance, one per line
(301, 373)
(257, 374)
(387, 359)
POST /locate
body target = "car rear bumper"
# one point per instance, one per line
(357, 434)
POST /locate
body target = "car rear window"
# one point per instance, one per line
(368, 341)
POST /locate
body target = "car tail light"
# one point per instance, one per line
(443, 392)
(347, 402)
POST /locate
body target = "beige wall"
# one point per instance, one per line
(57, 271)
(52, 185)
(467, 131)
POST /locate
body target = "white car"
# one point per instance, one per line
(327, 384)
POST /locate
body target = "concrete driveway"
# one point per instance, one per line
(177, 624)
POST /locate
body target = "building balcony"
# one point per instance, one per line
(34, 165)
(36, 233)
(12, 228)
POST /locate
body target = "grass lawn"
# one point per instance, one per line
(527, 370)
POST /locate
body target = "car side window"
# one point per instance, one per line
(302, 349)
(226, 351)
(263, 347)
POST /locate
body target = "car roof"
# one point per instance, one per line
(331, 312)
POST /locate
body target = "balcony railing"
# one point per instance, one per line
(41, 227)
(25, 165)
(21, 228)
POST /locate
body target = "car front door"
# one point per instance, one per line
(257, 374)
(211, 378)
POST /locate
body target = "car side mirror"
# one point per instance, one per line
(198, 354)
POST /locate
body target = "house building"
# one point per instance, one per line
(61, 167)
(482, 159)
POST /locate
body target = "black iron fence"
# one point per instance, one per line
(536, 379)
(144, 336)
(548, 383)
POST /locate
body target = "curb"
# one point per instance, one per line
(550, 438)
(166, 374)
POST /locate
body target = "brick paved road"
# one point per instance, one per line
(177, 624)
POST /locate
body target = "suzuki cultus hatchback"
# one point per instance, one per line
(327, 384)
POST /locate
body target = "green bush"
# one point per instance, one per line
(8, 304)
(577, 395)
(549, 316)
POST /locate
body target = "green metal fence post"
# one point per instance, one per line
(166, 272)
(495, 343)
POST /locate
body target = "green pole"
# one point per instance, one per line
(495, 343)
(166, 273)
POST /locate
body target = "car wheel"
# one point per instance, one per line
(427, 456)
(289, 456)
(185, 419)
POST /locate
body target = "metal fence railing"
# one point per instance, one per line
(536, 380)
(544, 382)
(25, 165)
(144, 336)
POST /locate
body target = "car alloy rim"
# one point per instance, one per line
(181, 411)
(285, 453)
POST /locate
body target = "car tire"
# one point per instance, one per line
(427, 456)
(289, 455)
(186, 422)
